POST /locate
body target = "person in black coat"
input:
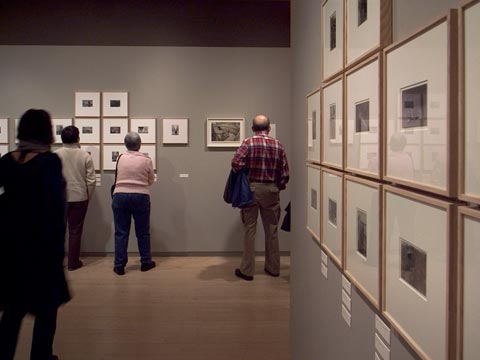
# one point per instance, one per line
(32, 221)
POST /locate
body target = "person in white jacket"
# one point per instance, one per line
(79, 173)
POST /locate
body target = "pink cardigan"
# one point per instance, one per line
(135, 173)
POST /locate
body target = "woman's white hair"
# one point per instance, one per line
(133, 141)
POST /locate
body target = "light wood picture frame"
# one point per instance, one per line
(57, 127)
(225, 132)
(114, 130)
(110, 154)
(333, 124)
(333, 52)
(115, 104)
(89, 130)
(87, 104)
(146, 128)
(3, 131)
(313, 201)
(175, 131)
(313, 127)
(416, 91)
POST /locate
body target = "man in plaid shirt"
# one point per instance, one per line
(265, 162)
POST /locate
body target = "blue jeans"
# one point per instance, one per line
(126, 205)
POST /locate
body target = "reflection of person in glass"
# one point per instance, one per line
(400, 163)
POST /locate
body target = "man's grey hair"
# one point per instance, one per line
(133, 141)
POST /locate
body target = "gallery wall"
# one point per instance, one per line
(188, 214)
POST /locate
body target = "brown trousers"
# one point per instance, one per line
(76, 211)
(267, 201)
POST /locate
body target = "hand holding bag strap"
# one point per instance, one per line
(112, 189)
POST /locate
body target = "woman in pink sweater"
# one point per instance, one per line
(132, 198)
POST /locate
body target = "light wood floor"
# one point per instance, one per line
(186, 308)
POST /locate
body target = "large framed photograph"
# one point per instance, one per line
(3, 149)
(363, 114)
(332, 214)
(225, 132)
(89, 129)
(313, 127)
(151, 152)
(468, 346)
(313, 201)
(3, 131)
(94, 151)
(332, 124)
(110, 155)
(332, 18)
(420, 104)
(368, 28)
(87, 104)
(175, 131)
(146, 128)
(418, 233)
(114, 130)
(362, 236)
(469, 174)
(57, 127)
(115, 104)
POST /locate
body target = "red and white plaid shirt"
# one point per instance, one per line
(264, 159)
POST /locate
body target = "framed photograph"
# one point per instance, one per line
(94, 151)
(273, 130)
(87, 104)
(115, 104)
(332, 38)
(332, 124)
(3, 131)
(313, 127)
(363, 114)
(469, 272)
(420, 102)
(110, 155)
(225, 132)
(313, 201)
(146, 128)
(114, 130)
(332, 214)
(362, 236)
(368, 28)
(89, 130)
(469, 174)
(175, 131)
(418, 233)
(3, 149)
(151, 152)
(57, 127)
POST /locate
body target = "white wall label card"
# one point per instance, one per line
(346, 316)
(324, 270)
(324, 257)
(347, 285)
(382, 329)
(381, 348)
(346, 300)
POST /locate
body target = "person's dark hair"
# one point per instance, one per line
(260, 126)
(70, 134)
(36, 125)
(398, 141)
(133, 141)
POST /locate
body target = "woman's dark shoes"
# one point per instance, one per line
(119, 270)
(270, 273)
(148, 266)
(241, 275)
(76, 266)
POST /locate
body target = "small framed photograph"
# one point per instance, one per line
(115, 104)
(151, 152)
(313, 201)
(225, 132)
(332, 38)
(110, 155)
(418, 231)
(3, 131)
(332, 124)
(146, 128)
(313, 126)
(94, 151)
(3, 149)
(57, 126)
(331, 182)
(114, 130)
(273, 131)
(175, 131)
(89, 130)
(87, 104)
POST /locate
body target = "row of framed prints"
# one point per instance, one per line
(414, 257)
(106, 104)
(401, 117)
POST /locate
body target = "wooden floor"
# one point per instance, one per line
(186, 308)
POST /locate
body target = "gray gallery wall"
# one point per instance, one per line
(317, 327)
(188, 214)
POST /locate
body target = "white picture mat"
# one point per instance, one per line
(212, 121)
(273, 130)
(4, 131)
(424, 226)
(361, 39)
(363, 84)
(404, 70)
(471, 293)
(472, 103)
(364, 270)
(119, 138)
(3, 149)
(150, 123)
(332, 188)
(151, 151)
(94, 137)
(93, 110)
(313, 215)
(332, 149)
(60, 122)
(313, 105)
(94, 151)
(332, 59)
(181, 138)
(107, 162)
(122, 110)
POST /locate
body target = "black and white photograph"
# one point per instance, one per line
(115, 103)
(115, 129)
(362, 232)
(115, 155)
(362, 11)
(333, 121)
(58, 129)
(175, 129)
(414, 106)
(362, 116)
(142, 129)
(313, 198)
(146, 127)
(87, 103)
(413, 266)
(225, 131)
(333, 31)
(332, 212)
(87, 129)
